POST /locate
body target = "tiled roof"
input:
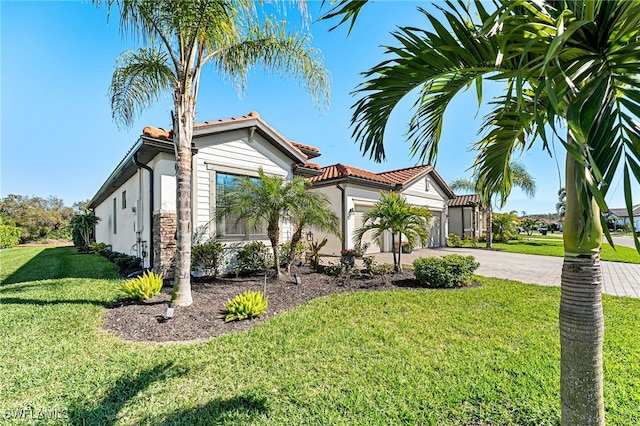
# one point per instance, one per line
(622, 212)
(406, 175)
(465, 200)
(392, 177)
(309, 165)
(339, 170)
(160, 133)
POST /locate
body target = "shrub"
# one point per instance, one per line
(449, 271)
(9, 236)
(314, 255)
(125, 261)
(254, 257)
(143, 287)
(208, 256)
(455, 240)
(250, 304)
(285, 252)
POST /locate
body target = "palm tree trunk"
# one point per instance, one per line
(393, 250)
(489, 225)
(399, 266)
(183, 132)
(581, 317)
(273, 233)
(295, 239)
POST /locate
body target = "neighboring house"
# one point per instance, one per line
(623, 216)
(467, 216)
(137, 203)
(354, 191)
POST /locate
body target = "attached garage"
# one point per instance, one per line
(358, 216)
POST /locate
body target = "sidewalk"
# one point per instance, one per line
(620, 279)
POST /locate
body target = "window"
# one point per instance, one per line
(226, 227)
(115, 214)
(427, 184)
(124, 200)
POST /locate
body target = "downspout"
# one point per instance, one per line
(151, 204)
(344, 216)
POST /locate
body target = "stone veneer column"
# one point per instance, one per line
(164, 238)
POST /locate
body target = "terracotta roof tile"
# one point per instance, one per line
(160, 133)
(465, 200)
(339, 170)
(406, 175)
(392, 177)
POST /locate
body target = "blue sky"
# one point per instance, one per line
(58, 137)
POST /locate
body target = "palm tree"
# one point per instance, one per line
(561, 205)
(182, 37)
(311, 210)
(265, 200)
(569, 68)
(393, 213)
(520, 177)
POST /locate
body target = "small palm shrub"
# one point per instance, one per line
(208, 256)
(449, 271)
(143, 287)
(250, 304)
(285, 252)
(254, 257)
(455, 240)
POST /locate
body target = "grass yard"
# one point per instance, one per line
(482, 355)
(555, 247)
(552, 245)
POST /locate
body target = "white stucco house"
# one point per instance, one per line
(137, 202)
(353, 191)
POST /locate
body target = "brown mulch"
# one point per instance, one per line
(145, 321)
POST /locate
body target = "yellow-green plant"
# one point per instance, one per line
(250, 304)
(142, 287)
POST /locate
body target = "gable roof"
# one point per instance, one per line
(155, 140)
(465, 201)
(622, 212)
(392, 179)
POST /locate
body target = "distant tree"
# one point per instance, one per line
(504, 225)
(561, 205)
(82, 206)
(528, 223)
(38, 218)
(392, 213)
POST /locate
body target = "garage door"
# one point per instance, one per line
(434, 232)
(368, 236)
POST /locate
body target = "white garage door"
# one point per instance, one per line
(368, 236)
(434, 232)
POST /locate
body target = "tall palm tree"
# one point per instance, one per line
(570, 68)
(311, 210)
(265, 200)
(181, 38)
(520, 177)
(392, 213)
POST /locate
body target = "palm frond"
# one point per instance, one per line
(139, 79)
(270, 45)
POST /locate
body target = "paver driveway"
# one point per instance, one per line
(620, 279)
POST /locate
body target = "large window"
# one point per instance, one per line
(228, 226)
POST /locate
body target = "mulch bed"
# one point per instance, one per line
(145, 321)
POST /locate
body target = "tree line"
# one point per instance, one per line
(25, 219)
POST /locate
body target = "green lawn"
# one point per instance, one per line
(552, 245)
(483, 355)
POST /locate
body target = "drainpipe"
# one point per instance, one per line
(344, 216)
(151, 201)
